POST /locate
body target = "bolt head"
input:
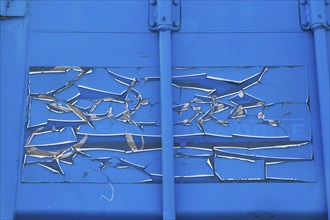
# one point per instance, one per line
(176, 2)
(303, 2)
(176, 23)
(304, 23)
(152, 24)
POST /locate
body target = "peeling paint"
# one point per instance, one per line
(91, 124)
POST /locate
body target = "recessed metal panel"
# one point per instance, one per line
(102, 124)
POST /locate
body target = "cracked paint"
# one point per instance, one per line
(93, 124)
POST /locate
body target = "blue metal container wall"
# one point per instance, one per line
(116, 34)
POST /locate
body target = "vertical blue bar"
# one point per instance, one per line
(323, 72)
(167, 124)
(13, 47)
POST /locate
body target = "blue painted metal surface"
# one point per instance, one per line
(314, 12)
(322, 63)
(12, 8)
(164, 24)
(167, 124)
(258, 37)
(315, 16)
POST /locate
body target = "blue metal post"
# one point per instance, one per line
(167, 124)
(322, 66)
(314, 16)
(164, 20)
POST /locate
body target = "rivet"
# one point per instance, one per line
(304, 23)
(176, 23)
(176, 2)
(303, 2)
(152, 23)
